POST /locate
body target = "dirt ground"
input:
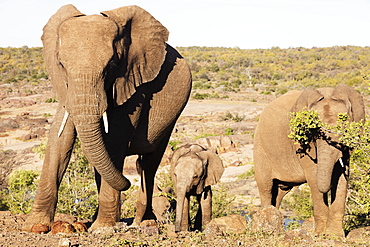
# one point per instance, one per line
(26, 119)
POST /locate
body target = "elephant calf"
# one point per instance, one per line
(194, 169)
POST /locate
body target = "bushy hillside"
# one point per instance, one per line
(278, 69)
(268, 70)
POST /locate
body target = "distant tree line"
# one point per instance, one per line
(269, 70)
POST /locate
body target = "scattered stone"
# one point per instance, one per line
(149, 227)
(297, 234)
(360, 234)
(269, 220)
(106, 230)
(232, 223)
(79, 227)
(61, 227)
(39, 228)
(64, 242)
(309, 225)
(172, 234)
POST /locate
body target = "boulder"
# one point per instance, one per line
(360, 235)
(268, 220)
(232, 223)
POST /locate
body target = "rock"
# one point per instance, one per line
(39, 228)
(297, 234)
(64, 242)
(40, 132)
(172, 234)
(79, 227)
(360, 234)
(149, 227)
(232, 223)
(269, 220)
(61, 227)
(309, 225)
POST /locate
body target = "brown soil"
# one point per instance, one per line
(26, 119)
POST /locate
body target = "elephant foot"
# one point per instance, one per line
(335, 231)
(37, 223)
(98, 225)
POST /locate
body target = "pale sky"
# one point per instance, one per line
(247, 24)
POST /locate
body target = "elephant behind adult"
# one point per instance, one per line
(194, 169)
(279, 165)
(120, 89)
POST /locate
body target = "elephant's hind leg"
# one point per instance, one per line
(148, 167)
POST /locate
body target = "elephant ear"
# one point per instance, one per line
(353, 99)
(307, 99)
(50, 40)
(214, 168)
(144, 38)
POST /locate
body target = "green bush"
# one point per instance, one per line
(20, 193)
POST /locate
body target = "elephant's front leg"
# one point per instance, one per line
(334, 223)
(109, 210)
(320, 207)
(58, 153)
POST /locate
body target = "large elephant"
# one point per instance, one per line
(194, 169)
(280, 164)
(120, 89)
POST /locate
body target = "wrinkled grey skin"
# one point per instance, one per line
(194, 169)
(115, 63)
(279, 165)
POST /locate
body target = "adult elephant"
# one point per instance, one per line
(280, 165)
(194, 169)
(113, 69)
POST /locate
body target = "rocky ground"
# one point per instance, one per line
(26, 119)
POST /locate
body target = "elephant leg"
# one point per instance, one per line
(265, 187)
(148, 165)
(204, 214)
(57, 156)
(281, 192)
(109, 210)
(185, 223)
(320, 207)
(336, 210)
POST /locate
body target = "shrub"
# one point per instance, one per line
(21, 190)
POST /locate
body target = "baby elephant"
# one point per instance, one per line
(194, 169)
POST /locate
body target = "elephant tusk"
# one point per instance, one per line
(105, 121)
(341, 162)
(64, 121)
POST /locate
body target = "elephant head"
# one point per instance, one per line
(329, 103)
(193, 168)
(88, 56)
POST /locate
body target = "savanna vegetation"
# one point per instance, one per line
(221, 71)
(232, 69)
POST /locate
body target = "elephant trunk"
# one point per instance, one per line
(86, 104)
(327, 156)
(89, 131)
(180, 198)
